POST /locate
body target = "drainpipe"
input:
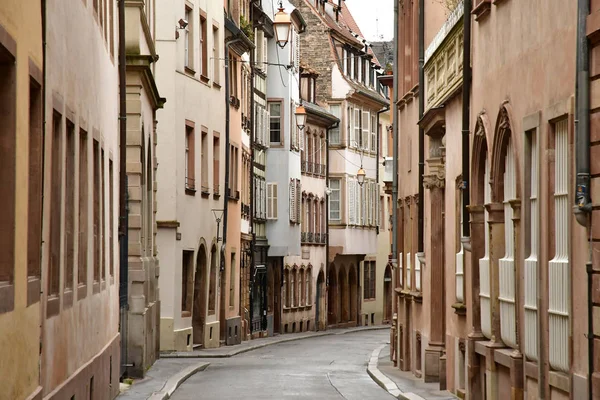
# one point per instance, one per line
(386, 108)
(228, 43)
(252, 233)
(466, 111)
(327, 194)
(395, 152)
(123, 194)
(583, 205)
(44, 55)
(421, 131)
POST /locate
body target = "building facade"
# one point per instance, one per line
(142, 336)
(21, 147)
(283, 179)
(191, 152)
(510, 324)
(349, 89)
(80, 339)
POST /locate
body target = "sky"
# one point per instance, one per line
(373, 17)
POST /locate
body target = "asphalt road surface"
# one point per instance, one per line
(328, 367)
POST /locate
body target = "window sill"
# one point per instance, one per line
(189, 71)
(204, 79)
(68, 298)
(7, 297)
(205, 194)
(369, 300)
(34, 288)
(96, 287)
(417, 297)
(482, 9)
(186, 314)
(216, 85)
(52, 306)
(190, 192)
(216, 196)
(81, 292)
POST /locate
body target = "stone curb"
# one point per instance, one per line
(261, 345)
(385, 382)
(176, 380)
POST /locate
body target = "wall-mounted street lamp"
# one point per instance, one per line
(282, 24)
(300, 117)
(218, 213)
(360, 175)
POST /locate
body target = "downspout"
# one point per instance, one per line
(44, 75)
(123, 193)
(421, 207)
(395, 157)
(386, 108)
(466, 113)
(327, 194)
(583, 205)
(228, 43)
(252, 233)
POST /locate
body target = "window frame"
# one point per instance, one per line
(281, 141)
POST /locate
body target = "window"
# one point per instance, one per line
(233, 81)
(103, 215)
(69, 232)
(302, 288)
(351, 65)
(189, 40)
(232, 281)
(97, 242)
(203, 47)
(111, 205)
(334, 134)
(358, 139)
(187, 279)
(335, 185)
(308, 286)
(212, 287)
(359, 62)
(365, 130)
(345, 60)
(559, 267)
(34, 196)
(374, 133)
(216, 56)
(275, 122)
(190, 162)
(233, 191)
(216, 162)
(83, 208)
(204, 161)
(294, 288)
(271, 200)
(286, 288)
(532, 209)
(55, 205)
(369, 269)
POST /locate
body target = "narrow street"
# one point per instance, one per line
(329, 367)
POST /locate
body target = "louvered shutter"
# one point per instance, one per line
(298, 201)
(351, 202)
(292, 201)
(296, 50)
(265, 51)
(350, 116)
(366, 118)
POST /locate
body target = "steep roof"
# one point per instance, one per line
(349, 23)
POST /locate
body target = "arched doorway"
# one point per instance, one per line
(344, 298)
(321, 310)
(353, 294)
(332, 304)
(199, 311)
(387, 294)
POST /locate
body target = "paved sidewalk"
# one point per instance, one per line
(404, 385)
(230, 351)
(172, 369)
(162, 379)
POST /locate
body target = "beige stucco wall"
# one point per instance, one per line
(204, 105)
(20, 328)
(88, 87)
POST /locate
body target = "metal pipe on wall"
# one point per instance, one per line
(421, 207)
(466, 113)
(395, 141)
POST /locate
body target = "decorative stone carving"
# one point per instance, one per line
(433, 181)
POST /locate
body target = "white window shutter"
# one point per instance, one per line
(296, 50)
(292, 201)
(298, 201)
(265, 51)
(351, 198)
(366, 118)
(351, 126)
(266, 119)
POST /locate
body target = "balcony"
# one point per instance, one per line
(388, 172)
(313, 238)
(312, 168)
